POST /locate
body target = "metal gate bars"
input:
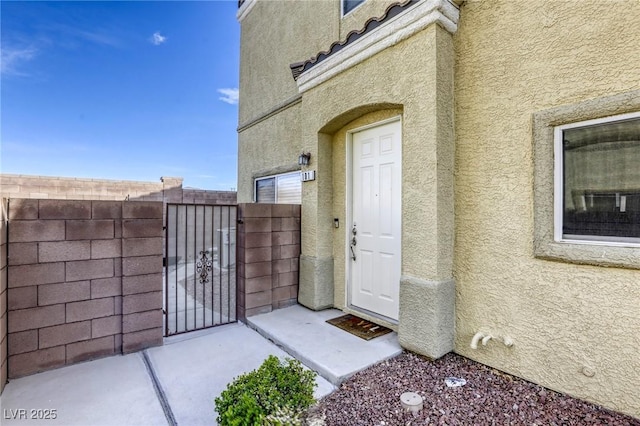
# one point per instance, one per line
(200, 267)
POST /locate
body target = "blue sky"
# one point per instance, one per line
(121, 90)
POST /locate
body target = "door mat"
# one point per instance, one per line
(359, 327)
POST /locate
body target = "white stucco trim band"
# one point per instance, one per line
(244, 10)
(390, 33)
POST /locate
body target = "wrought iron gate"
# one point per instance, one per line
(200, 267)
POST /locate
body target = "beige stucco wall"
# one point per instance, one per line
(394, 77)
(274, 35)
(575, 327)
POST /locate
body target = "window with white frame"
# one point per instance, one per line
(349, 5)
(284, 188)
(597, 180)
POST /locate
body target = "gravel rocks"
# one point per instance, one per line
(489, 397)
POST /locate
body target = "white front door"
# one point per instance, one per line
(375, 234)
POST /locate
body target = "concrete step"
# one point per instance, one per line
(333, 353)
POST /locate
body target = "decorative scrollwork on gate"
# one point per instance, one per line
(203, 267)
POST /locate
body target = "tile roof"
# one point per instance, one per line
(393, 10)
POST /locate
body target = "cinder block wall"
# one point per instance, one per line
(84, 281)
(169, 189)
(3, 293)
(268, 257)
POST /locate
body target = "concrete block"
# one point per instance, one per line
(294, 292)
(285, 303)
(117, 305)
(141, 265)
(106, 287)
(275, 252)
(99, 229)
(259, 269)
(141, 228)
(64, 209)
(279, 294)
(106, 326)
(61, 251)
(290, 224)
(117, 267)
(142, 210)
(141, 284)
(22, 253)
(254, 210)
(102, 249)
(63, 334)
(427, 316)
(282, 238)
(22, 297)
(22, 209)
(23, 341)
(287, 278)
(141, 247)
(281, 265)
(90, 349)
(51, 294)
(257, 239)
(290, 251)
(142, 302)
(3, 279)
(27, 275)
(257, 224)
(141, 321)
(257, 311)
(259, 284)
(22, 231)
(295, 264)
(254, 300)
(276, 224)
(106, 209)
(36, 361)
(89, 309)
(89, 269)
(117, 229)
(118, 343)
(32, 318)
(139, 340)
(282, 210)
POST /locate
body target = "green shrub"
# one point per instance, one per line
(276, 393)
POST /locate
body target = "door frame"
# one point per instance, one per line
(349, 211)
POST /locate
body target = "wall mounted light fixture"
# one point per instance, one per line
(304, 158)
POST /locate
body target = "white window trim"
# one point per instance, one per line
(558, 205)
(255, 183)
(386, 35)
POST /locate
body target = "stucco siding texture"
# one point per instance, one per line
(574, 327)
(404, 75)
(269, 147)
(274, 35)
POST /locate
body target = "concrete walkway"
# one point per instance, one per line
(177, 382)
